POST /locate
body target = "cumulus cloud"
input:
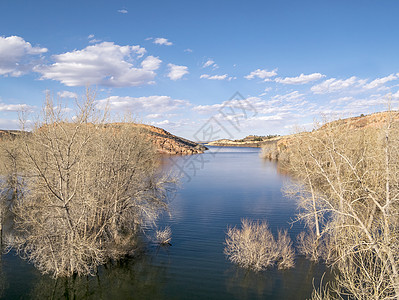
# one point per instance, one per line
(381, 81)
(162, 41)
(216, 77)
(262, 74)
(123, 11)
(152, 104)
(151, 63)
(16, 56)
(335, 85)
(102, 64)
(14, 107)
(188, 50)
(176, 72)
(67, 94)
(301, 79)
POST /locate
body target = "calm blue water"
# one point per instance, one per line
(217, 190)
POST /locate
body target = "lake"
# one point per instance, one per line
(218, 189)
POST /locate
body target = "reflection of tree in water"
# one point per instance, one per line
(133, 278)
(245, 284)
(3, 279)
(275, 284)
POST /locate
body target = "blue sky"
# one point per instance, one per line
(176, 64)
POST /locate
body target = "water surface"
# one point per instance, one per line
(218, 189)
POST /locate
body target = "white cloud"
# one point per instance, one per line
(176, 72)
(154, 116)
(92, 40)
(188, 50)
(208, 63)
(14, 107)
(301, 79)
(341, 100)
(262, 74)
(381, 81)
(395, 95)
(335, 85)
(217, 77)
(152, 104)
(151, 63)
(294, 96)
(292, 103)
(266, 90)
(122, 11)
(67, 94)
(102, 64)
(268, 118)
(162, 41)
(161, 123)
(16, 56)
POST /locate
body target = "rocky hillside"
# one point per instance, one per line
(276, 148)
(171, 144)
(164, 141)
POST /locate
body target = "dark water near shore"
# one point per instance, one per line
(218, 190)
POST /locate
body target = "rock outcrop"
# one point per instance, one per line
(168, 143)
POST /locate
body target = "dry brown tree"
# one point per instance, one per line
(86, 189)
(349, 198)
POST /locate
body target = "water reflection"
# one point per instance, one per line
(3, 280)
(275, 284)
(134, 278)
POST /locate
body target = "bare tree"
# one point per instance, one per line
(349, 188)
(89, 186)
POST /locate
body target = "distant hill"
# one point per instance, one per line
(276, 148)
(164, 141)
(253, 141)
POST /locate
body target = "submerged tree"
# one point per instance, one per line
(348, 183)
(253, 246)
(87, 188)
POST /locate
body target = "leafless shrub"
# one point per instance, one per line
(163, 237)
(285, 250)
(253, 246)
(87, 189)
(327, 292)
